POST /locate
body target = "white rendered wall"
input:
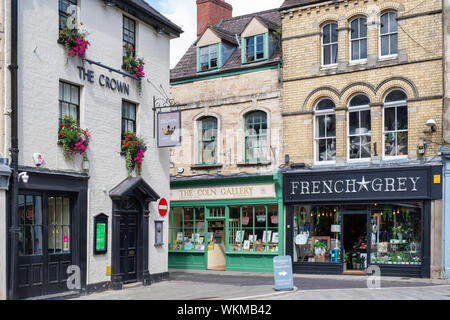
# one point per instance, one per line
(43, 64)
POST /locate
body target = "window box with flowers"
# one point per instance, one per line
(133, 65)
(73, 39)
(73, 138)
(133, 149)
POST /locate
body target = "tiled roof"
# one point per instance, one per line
(227, 30)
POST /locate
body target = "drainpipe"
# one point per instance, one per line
(14, 183)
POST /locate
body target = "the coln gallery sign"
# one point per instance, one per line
(375, 184)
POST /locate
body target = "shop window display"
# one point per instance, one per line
(187, 229)
(253, 228)
(396, 234)
(316, 234)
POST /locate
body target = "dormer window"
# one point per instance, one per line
(256, 48)
(208, 57)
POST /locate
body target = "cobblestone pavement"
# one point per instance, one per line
(216, 285)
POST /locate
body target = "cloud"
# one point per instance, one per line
(184, 14)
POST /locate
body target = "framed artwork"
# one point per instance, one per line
(180, 236)
(266, 236)
(239, 236)
(246, 245)
(275, 237)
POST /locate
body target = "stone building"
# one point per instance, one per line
(79, 224)
(362, 123)
(225, 189)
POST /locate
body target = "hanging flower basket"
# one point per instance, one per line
(245, 220)
(73, 139)
(133, 148)
(133, 65)
(261, 218)
(274, 219)
(73, 39)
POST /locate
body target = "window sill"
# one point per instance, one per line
(258, 163)
(390, 57)
(206, 166)
(357, 62)
(329, 67)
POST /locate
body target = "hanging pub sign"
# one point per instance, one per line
(370, 184)
(100, 234)
(169, 129)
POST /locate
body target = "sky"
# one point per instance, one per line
(184, 14)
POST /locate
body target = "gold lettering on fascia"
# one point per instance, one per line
(239, 191)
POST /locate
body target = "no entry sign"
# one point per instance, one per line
(163, 207)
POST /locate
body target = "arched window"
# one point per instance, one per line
(395, 129)
(207, 140)
(329, 44)
(359, 128)
(325, 131)
(358, 39)
(388, 34)
(256, 136)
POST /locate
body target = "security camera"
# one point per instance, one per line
(24, 176)
(432, 124)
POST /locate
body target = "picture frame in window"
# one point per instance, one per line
(180, 236)
(239, 236)
(275, 237)
(246, 246)
(325, 239)
(266, 236)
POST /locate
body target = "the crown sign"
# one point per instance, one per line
(169, 131)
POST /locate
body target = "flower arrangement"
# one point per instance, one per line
(73, 39)
(133, 148)
(73, 139)
(132, 64)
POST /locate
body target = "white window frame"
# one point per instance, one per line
(395, 104)
(388, 56)
(357, 109)
(357, 61)
(332, 65)
(316, 139)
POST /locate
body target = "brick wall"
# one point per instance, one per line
(211, 12)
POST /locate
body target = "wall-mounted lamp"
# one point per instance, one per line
(109, 3)
(431, 123)
(24, 176)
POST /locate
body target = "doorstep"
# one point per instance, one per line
(355, 272)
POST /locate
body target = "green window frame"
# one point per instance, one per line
(256, 136)
(207, 140)
(255, 48)
(209, 57)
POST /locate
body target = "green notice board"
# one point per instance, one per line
(101, 237)
(100, 234)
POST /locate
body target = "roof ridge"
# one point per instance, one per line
(251, 14)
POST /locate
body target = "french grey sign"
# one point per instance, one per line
(169, 129)
(282, 272)
(404, 183)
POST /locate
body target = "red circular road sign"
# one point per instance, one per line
(163, 207)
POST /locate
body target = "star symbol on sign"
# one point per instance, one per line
(363, 184)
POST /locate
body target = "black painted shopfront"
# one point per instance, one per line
(51, 233)
(345, 221)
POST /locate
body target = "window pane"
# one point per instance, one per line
(362, 27)
(389, 119)
(396, 234)
(66, 239)
(359, 100)
(334, 53)
(353, 122)
(327, 55)
(355, 147)
(402, 118)
(331, 149)
(396, 95)
(355, 50)
(74, 95)
(402, 141)
(393, 43)
(326, 34)
(354, 29)
(384, 24)
(385, 45)
(334, 32)
(393, 22)
(322, 150)
(325, 104)
(366, 146)
(390, 144)
(330, 121)
(363, 49)
(366, 125)
(313, 224)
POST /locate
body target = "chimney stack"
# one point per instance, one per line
(211, 12)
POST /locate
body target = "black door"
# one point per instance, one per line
(128, 247)
(45, 251)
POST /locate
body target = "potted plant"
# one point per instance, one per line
(133, 148)
(320, 248)
(398, 232)
(73, 139)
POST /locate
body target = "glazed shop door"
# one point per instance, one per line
(44, 243)
(355, 242)
(128, 246)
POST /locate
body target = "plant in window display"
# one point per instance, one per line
(133, 148)
(320, 248)
(73, 139)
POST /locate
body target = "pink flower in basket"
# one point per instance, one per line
(274, 219)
